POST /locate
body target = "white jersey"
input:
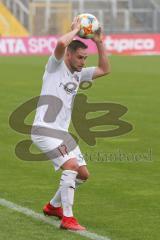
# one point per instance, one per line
(58, 81)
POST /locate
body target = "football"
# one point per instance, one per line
(89, 24)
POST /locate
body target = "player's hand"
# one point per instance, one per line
(98, 36)
(76, 24)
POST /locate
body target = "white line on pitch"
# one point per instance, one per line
(41, 217)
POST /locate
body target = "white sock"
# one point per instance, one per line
(67, 191)
(56, 200)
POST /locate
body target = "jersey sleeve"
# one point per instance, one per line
(87, 74)
(52, 64)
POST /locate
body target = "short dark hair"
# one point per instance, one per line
(75, 44)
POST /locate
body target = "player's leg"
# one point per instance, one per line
(83, 175)
(65, 192)
(56, 200)
(77, 167)
(68, 182)
(70, 170)
(54, 206)
(69, 164)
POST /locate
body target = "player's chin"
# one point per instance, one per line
(79, 69)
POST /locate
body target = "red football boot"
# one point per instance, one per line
(71, 223)
(49, 210)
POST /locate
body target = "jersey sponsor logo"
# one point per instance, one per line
(70, 87)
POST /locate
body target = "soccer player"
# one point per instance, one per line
(63, 73)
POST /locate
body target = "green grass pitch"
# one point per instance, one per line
(121, 199)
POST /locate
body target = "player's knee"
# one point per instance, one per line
(74, 167)
(84, 176)
(70, 165)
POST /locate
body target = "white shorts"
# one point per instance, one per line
(57, 151)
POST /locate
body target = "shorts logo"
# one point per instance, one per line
(63, 149)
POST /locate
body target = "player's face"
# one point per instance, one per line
(77, 59)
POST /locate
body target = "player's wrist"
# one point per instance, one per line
(75, 30)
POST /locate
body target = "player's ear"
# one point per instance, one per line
(68, 53)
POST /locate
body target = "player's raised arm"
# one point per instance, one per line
(65, 40)
(103, 67)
